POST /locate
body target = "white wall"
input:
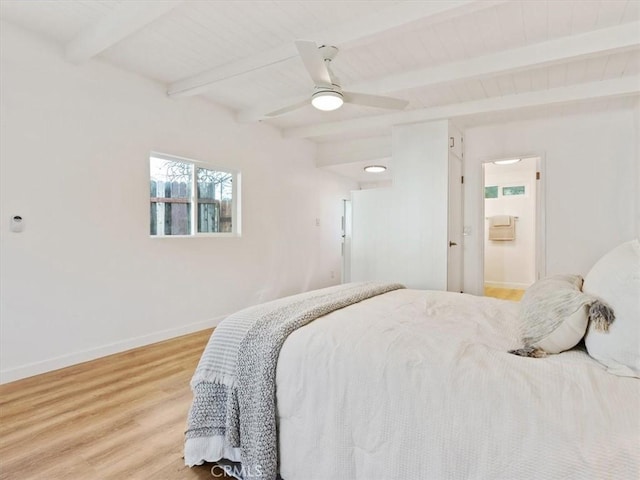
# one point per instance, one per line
(84, 278)
(511, 264)
(400, 233)
(636, 144)
(591, 184)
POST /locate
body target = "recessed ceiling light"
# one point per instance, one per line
(507, 162)
(375, 168)
(327, 100)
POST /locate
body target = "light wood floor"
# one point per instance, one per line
(119, 417)
(504, 293)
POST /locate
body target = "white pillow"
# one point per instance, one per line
(554, 315)
(615, 279)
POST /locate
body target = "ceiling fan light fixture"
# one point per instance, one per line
(327, 100)
(375, 168)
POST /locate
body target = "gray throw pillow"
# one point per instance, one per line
(555, 314)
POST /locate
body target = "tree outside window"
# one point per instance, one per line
(189, 199)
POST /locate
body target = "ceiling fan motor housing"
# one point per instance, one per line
(328, 52)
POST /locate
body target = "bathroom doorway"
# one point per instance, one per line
(513, 226)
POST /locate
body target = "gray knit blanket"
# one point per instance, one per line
(233, 414)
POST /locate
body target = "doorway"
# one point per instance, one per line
(513, 226)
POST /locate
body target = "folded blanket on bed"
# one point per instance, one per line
(233, 414)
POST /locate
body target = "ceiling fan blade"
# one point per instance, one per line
(314, 63)
(374, 100)
(288, 108)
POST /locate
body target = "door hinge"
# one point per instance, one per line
(462, 179)
(537, 175)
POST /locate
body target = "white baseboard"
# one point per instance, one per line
(509, 285)
(36, 368)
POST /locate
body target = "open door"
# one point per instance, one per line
(513, 255)
(455, 221)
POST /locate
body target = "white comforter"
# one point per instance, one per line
(419, 385)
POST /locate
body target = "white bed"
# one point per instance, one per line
(419, 385)
(390, 383)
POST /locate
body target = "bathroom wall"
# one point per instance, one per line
(511, 263)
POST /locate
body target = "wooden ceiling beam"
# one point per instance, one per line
(624, 86)
(125, 20)
(585, 45)
(352, 151)
(599, 42)
(343, 35)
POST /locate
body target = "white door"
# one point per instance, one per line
(346, 241)
(455, 227)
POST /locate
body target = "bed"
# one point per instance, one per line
(411, 384)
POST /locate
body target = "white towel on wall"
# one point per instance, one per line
(500, 221)
(502, 228)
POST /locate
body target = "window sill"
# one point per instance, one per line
(200, 235)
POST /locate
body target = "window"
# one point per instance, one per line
(517, 190)
(491, 192)
(190, 198)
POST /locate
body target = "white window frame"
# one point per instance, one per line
(235, 197)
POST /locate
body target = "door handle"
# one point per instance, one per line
(451, 244)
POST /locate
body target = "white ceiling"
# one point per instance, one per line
(474, 61)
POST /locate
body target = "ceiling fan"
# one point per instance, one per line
(328, 94)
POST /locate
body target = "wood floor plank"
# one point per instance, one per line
(118, 417)
(515, 295)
